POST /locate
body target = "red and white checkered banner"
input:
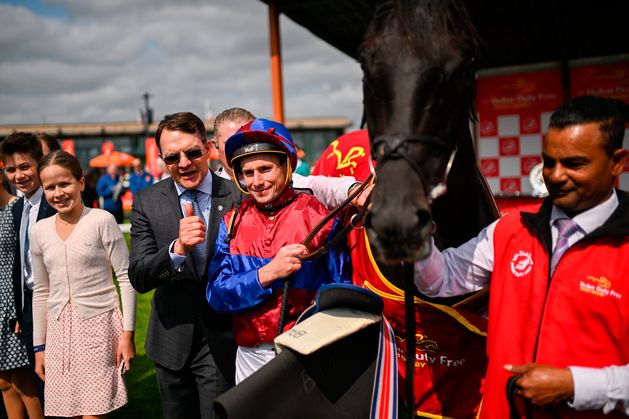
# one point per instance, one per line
(513, 112)
(514, 109)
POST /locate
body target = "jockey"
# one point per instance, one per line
(258, 247)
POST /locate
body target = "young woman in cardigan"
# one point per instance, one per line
(82, 342)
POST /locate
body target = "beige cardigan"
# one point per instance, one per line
(79, 270)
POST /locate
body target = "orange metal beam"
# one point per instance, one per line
(276, 63)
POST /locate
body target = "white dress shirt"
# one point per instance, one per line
(468, 268)
(25, 254)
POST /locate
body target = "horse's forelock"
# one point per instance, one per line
(438, 23)
(442, 29)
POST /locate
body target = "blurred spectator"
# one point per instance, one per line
(303, 168)
(139, 177)
(90, 197)
(161, 167)
(48, 142)
(109, 190)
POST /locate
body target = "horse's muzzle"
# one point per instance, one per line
(400, 238)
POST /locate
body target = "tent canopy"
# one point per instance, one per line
(515, 32)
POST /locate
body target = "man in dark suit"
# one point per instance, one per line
(173, 226)
(21, 151)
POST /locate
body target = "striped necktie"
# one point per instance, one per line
(566, 228)
(199, 251)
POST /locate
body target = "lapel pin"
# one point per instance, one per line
(220, 208)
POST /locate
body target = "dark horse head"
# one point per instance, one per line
(418, 91)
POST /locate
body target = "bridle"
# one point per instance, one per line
(394, 148)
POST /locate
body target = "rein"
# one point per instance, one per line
(325, 248)
(387, 147)
(341, 234)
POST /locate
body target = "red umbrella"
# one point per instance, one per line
(111, 156)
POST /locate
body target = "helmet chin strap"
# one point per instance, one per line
(238, 184)
(289, 172)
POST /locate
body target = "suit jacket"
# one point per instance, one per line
(179, 300)
(45, 211)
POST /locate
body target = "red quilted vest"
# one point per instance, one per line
(580, 317)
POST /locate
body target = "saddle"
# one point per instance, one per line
(325, 366)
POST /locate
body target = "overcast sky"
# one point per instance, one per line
(91, 61)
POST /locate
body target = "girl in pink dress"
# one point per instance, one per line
(82, 341)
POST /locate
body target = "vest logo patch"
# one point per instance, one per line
(521, 263)
(599, 287)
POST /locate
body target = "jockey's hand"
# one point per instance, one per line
(191, 231)
(283, 264)
(543, 385)
(360, 200)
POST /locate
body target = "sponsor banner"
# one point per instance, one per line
(513, 112)
(526, 94)
(608, 80)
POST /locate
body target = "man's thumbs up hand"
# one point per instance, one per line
(191, 231)
(189, 211)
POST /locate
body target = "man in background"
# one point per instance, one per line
(139, 178)
(109, 190)
(48, 143)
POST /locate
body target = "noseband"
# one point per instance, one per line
(395, 148)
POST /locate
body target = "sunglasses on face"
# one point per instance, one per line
(193, 154)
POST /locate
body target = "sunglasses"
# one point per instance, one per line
(193, 154)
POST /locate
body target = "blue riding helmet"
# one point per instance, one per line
(261, 136)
